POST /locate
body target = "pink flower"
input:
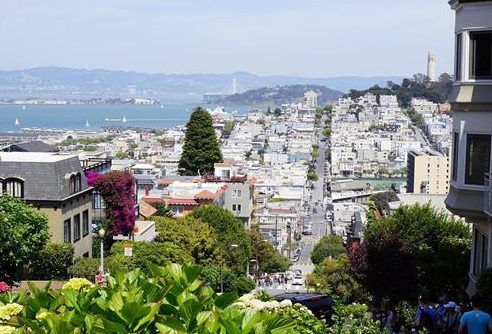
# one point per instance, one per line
(4, 287)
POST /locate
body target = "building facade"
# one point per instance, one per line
(470, 192)
(427, 172)
(55, 184)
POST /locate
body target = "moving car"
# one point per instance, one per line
(298, 280)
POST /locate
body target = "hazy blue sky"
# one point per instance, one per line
(303, 37)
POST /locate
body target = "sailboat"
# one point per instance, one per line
(124, 119)
(87, 123)
(16, 122)
(23, 107)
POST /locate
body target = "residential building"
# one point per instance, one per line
(470, 193)
(54, 184)
(427, 172)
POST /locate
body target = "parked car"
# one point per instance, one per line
(320, 305)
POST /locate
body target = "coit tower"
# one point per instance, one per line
(431, 67)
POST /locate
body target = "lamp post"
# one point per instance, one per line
(221, 276)
(102, 232)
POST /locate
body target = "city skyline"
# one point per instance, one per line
(308, 39)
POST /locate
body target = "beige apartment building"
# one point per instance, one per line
(427, 172)
(55, 184)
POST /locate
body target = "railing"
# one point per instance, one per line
(487, 198)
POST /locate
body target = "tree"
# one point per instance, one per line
(312, 176)
(230, 231)
(416, 246)
(277, 112)
(121, 155)
(228, 127)
(201, 148)
(332, 276)
(162, 210)
(190, 234)
(157, 253)
(328, 246)
(23, 232)
(269, 259)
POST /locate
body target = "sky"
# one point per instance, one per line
(312, 38)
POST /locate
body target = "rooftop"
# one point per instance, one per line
(33, 157)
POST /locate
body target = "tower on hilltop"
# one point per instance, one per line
(431, 66)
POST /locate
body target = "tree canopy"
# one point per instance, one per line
(23, 233)
(328, 246)
(415, 246)
(201, 148)
(417, 87)
(191, 234)
(230, 231)
(269, 259)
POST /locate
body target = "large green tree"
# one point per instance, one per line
(416, 246)
(190, 234)
(269, 259)
(201, 148)
(23, 233)
(330, 246)
(233, 242)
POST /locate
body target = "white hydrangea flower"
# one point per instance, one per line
(9, 310)
(6, 329)
(285, 303)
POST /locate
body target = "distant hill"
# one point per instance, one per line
(81, 83)
(281, 94)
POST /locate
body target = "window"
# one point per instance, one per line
(75, 183)
(481, 55)
(234, 194)
(234, 207)
(238, 193)
(480, 252)
(459, 43)
(456, 143)
(477, 158)
(67, 231)
(85, 222)
(177, 210)
(76, 227)
(14, 187)
(239, 207)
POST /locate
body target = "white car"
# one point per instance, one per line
(298, 280)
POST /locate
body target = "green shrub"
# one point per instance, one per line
(484, 289)
(85, 267)
(52, 262)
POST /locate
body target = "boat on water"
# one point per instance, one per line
(124, 119)
(87, 123)
(23, 107)
(16, 122)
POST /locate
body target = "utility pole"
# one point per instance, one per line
(289, 240)
(276, 231)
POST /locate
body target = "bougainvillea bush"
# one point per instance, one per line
(118, 192)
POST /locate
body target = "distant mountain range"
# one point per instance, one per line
(79, 83)
(278, 95)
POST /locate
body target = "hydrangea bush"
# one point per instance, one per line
(304, 320)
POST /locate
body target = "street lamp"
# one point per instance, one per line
(102, 232)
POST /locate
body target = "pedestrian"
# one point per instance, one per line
(451, 319)
(476, 321)
(428, 317)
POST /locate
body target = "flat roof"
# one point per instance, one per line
(33, 157)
